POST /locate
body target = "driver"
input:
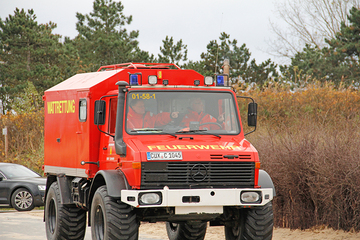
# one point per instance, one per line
(138, 117)
(196, 114)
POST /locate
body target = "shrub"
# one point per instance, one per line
(316, 172)
(25, 139)
(309, 142)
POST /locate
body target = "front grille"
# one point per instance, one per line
(177, 175)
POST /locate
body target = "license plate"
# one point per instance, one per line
(164, 155)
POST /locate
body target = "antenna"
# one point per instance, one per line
(217, 50)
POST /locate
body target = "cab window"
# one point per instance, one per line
(112, 115)
(82, 110)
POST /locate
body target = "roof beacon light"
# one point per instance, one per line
(152, 79)
(220, 81)
(134, 79)
(208, 80)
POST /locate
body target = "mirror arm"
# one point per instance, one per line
(247, 98)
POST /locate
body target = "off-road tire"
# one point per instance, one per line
(252, 224)
(112, 219)
(22, 200)
(65, 222)
(186, 231)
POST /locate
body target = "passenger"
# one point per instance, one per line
(196, 114)
(138, 117)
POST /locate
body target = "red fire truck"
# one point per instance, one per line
(146, 142)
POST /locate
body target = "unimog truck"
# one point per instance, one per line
(151, 142)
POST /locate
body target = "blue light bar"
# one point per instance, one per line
(220, 81)
(134, 79)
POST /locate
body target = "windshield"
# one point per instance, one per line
(17, 171)
(160, 112)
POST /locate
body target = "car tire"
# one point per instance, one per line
(112, 219)
(187, 230)
(22, 200)
(63, 221)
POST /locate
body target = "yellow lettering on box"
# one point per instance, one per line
(58, 107)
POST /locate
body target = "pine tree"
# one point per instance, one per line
(28, 52)
(103, 38)
(172, 53)
(338, 62)
(345, 50)
(241, 67)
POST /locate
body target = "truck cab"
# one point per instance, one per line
(152, 142)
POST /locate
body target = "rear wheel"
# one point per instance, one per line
(22, 200)
(256, 224)
(111, 219)
(63, 221)
(186, 231)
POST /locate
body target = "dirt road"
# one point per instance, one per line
(29, 225)
(157, 231)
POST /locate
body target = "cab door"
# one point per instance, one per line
(108, 157)
(85, 143)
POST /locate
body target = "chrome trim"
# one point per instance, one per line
(77, 172)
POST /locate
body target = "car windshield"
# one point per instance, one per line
(17, 171)
(181, 112)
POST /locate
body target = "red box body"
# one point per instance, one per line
(69, 141)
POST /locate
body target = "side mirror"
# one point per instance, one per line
(252, 114)
(1, 178)
(100, 112)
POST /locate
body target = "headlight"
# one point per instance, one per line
(153, 198)
(250, 197)
(42, 187)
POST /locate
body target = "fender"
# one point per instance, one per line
(114, 180)
(65, 191)
(265, 181)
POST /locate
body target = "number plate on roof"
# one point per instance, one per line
(164, 156)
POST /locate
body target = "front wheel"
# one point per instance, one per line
(256, 224)
(63, 221)
(187, 230)
(22, 200)
(111, 219)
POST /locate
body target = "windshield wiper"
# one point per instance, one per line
(152, 130)
(197, 131)
(191, 131)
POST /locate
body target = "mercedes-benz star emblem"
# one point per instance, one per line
(198, 172)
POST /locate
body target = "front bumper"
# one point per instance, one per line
(206, 200)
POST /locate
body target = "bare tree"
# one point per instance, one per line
(308, 22)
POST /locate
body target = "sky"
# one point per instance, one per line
(196, 22)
